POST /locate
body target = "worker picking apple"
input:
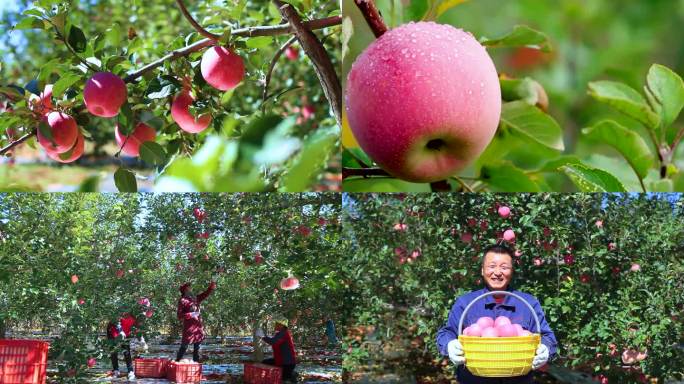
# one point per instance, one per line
(189, 314)
(495, 315)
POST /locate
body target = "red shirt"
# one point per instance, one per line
(127, 322)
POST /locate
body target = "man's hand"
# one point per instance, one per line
(541, 357)
(455, 350)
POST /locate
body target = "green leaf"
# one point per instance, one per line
(506, 177)
(113, 35)
(625, 99)
(125, 120)
(382, 184)
(417, 9)
(152, 153)
(125, 181)
(161, 87)
(662, 185)
(30, 23)
(554, 164)
(592, 179)
(445, 5)
(520, 36)
(89, 184)
(63, 83)
(313, 157)
(530, 122)
(77, 39)
(259, 42)
(630, 145)
(665, 90)
(46, 132)
(257, 129)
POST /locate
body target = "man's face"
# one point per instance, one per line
(497, 270)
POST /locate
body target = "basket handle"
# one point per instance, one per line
(492, 293)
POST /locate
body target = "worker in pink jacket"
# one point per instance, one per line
(189, 314)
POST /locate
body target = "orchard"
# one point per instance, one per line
(606, 269)
(446, 95)
(69, 263)
(238, 96)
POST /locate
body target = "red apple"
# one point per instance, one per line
(222, 68)
(133, 141)
(599, 223)
(64, 133)
(466, 237)
(292, 53)
(74, 279)
(423, 101)
(91, 362)
(289, 283)
(181, 114)
(509, 235)
(635, 267)
(104, 94)
(73, 154)
(401, 227)
(504, 211)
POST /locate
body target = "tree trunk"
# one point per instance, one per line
(258, 354)
(3, 328)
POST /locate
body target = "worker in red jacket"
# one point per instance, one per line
(189, 315)
(118, 333)
(284, 354)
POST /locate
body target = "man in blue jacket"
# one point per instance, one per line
(497, 272)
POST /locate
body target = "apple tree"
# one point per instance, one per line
(237, 96)
(99, 254)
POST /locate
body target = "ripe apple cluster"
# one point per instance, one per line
(501, 327)
(105, 93)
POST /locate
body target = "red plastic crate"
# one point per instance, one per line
(23, 361)
(257, 373)
(150, 368)
(184, 373)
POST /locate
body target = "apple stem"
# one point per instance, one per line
(440, 186)
(194, 23)
(372, 15)
(270, 70)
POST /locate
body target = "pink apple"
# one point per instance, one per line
(222, 68)
(149, 313)
(74, 279)
(423, 101)
(538, 262)
(140, 134)
(292, 53)
(91, 362)
(485, 322)
(181, 114)
(415, 254)
(635, 267)
(473, 330)
(599, 223)
(504, 211)
(308, 112)
(81, 301)
(518, 329)
(612, 246)
(502, 320)
(518, 253)
(490, 332)
(401, 227)
(507, 330)
(289, 283)
(509, 235)
(144, 301)
(64, 133)
(73, 154)
(104, 94)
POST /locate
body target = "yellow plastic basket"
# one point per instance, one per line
(499, 356)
